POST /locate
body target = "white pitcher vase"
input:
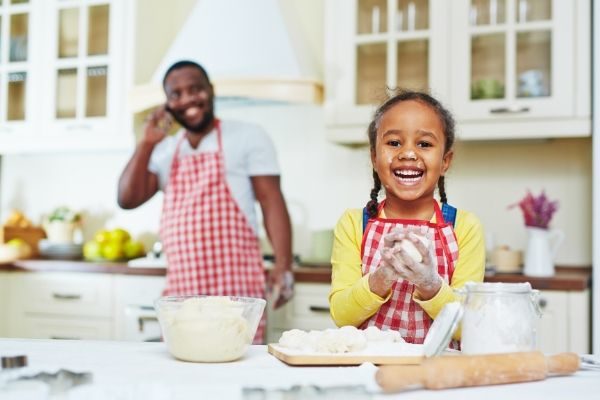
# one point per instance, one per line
(541, 249)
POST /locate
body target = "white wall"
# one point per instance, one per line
(321, 179)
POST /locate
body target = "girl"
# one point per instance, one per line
(376, 281)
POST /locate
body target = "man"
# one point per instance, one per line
(211, 173)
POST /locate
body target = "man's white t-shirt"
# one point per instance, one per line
(247, 149)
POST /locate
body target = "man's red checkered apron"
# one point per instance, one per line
(210, 247)
(400, 312)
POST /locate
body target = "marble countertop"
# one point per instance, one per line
(134, 370)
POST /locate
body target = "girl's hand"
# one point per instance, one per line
(157, 125)
(422, 274)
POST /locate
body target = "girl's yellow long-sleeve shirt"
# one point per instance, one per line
(351, 300)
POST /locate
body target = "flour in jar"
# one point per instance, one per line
(499, 318)
(209, 329)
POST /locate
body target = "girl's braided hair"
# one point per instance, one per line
(447, 124)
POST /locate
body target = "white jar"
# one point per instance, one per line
(499, 318)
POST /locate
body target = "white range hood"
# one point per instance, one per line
(251, 49)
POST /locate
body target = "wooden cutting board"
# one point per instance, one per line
(294, 357)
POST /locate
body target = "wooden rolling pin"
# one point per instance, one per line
(478, 370)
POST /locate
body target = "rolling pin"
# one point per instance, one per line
(477, 370)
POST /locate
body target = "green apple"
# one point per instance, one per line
(119, 235)
(112, 250)
(134, 249)
(92, 250)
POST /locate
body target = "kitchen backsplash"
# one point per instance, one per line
(320, 180)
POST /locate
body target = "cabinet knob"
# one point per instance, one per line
(543, 303)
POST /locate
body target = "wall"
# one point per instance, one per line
(321, 179)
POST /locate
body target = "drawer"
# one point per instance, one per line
(310, 300)
(65, 328)
(66, 294)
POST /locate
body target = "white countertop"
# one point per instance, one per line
(132, 370)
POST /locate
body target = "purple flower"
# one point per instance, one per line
(537, 211)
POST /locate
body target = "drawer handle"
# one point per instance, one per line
(64, 338)
(59, 296)
(319, 309)
(509, 110)
(145, 320)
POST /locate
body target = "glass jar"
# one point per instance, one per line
(499, 318)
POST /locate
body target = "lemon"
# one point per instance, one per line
(101, 236)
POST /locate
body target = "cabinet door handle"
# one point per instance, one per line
(64, 338)
(60, 296)
(145, 320)
(509, 110)
(319, 309)
(79, 127)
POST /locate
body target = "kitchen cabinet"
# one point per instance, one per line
(3, 304)
(135, 318)
(71, 54)
(308, 310)
(508, 69)
(565, 321)
(527, 71)
(372, 45)
(59, 305)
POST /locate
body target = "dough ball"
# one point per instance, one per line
(293, 339)
(410, 248)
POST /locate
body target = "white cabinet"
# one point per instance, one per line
(135, 318)
(58, 305)
(4, 307)
(565, 324)
(67, 88)
(507, 69)
(372, 45)
(521, 68)
(308, 309)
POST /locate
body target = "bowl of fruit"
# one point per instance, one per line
(113, 245)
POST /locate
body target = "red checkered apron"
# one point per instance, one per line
(210, 247)
(400, 312)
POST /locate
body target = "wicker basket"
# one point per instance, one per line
(31, 236)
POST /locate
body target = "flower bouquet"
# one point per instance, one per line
(537, 211)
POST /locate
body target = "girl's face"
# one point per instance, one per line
(409, 152)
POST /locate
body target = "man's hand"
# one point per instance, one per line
(280, 287)
(157, 126)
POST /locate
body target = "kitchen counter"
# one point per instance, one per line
(146, 371)
(566, 278)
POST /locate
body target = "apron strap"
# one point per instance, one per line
(449, 213)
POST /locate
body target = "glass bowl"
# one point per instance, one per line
(208, 328)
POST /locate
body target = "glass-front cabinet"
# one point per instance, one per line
(17, 80)
(375, 46)
(85, 67)
(506, 68)
(62, 65)
(522, 59)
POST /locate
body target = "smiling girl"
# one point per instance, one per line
(376, 279)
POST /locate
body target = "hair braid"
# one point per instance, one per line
(372, 204)
(442, 189)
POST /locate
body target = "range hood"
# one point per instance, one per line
(252, 50)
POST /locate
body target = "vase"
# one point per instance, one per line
(542, 245)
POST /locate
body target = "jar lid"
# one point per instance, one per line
(441, 330)
(498, 287)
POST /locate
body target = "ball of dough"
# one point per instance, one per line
(410, 248)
